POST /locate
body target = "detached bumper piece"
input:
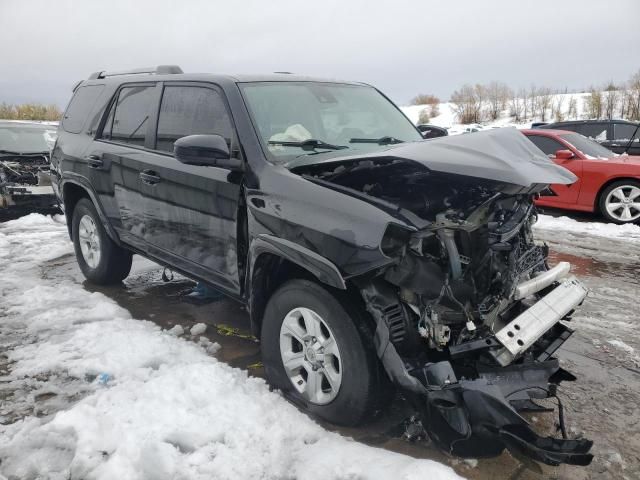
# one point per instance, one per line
(26, 199)
(479, 418)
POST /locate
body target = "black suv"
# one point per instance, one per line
(369, 259)
(619, 136)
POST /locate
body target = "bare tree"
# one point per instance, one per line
(557, 107)
(611, 100)
(517, 106)
(594, 103)
(545, 98)
(533, 101)
(30, 111)
(634, 97)
(572, 109)
(424, 116)
(468, 102)
(497, 97)
(425, 99)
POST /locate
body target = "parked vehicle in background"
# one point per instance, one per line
(368, 259)
(432, 131)
(25, 184)
(607, 183)
(619, 136)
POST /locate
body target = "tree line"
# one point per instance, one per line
(486, 102)
(30, 111)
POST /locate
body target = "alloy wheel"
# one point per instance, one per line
(623, 203)
(89, 241)
(310, 356)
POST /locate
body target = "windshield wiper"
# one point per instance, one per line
(380, 141)
(310, 144)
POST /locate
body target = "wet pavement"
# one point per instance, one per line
(603, 404)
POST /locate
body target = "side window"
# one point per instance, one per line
(595, 131)
(80, 106)
(548, 145)
(623, 132)
(128, 118)
(191, 111)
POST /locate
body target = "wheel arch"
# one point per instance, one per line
(273, 261)
(72, 192)
(605, 185)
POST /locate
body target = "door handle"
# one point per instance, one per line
(149, 177)
(94, 161)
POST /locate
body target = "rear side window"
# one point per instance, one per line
(548, 145)
(80, 106)
(191, 111)
(128, 119)
(595, 131)
(623, 132)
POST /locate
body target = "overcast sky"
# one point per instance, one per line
(402, 47)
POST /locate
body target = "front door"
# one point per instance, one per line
(190, 212)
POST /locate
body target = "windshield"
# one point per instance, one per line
(588, 147)
(26, 138)
(304, 118)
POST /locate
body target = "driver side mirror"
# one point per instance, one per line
(564, 154)
(205, 150)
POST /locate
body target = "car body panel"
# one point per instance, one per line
(593, 174)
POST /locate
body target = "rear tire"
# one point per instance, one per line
(351, 363)
(620, 202)
(102, 261)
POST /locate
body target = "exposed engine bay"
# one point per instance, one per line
(25, 183)
(468, 314)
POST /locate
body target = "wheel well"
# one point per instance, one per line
(71, 195)
(270, 271)
(606, 184)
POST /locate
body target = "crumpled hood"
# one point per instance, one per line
(503, 154)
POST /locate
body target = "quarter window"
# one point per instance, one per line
(548, 145)
(191, 111)
(623, 132)
(80, 106)
(128, 119)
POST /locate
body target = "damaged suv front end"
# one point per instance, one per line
(468, 311)
(25, 184)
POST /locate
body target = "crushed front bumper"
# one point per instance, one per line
(480, 417)
(527, 328)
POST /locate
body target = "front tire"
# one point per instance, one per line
(102, 261)
(620, 202)
(331, 367)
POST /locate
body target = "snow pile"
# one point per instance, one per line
(627, 232)
(165, 409)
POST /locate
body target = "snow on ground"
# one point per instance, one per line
(628, 232)
(135, 402)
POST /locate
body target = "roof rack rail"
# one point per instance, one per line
(159, 70)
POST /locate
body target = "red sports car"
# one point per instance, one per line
(607, 183)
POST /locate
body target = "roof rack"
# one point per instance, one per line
(159, 70)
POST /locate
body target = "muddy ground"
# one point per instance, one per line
(604, 404)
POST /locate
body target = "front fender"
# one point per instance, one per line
(316, 264)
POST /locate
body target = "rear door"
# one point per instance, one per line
(121, 149)
(189, 212)
(566, 193)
